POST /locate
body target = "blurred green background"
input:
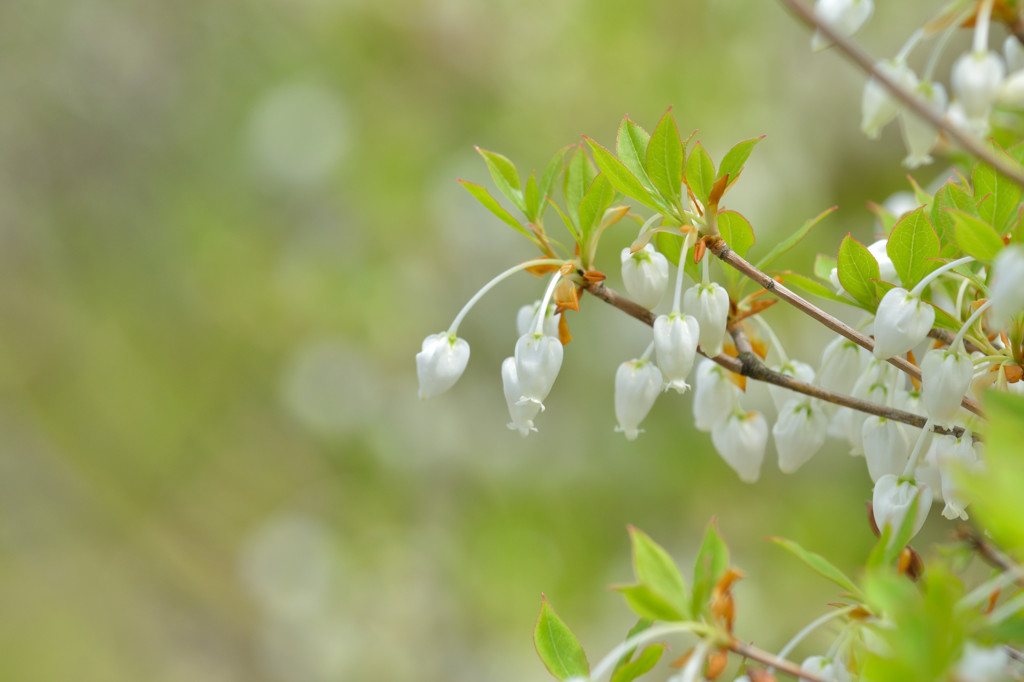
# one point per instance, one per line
(225, 229)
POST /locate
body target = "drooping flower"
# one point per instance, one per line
(714, 395)
(709, 303)
(527, 316)
(799, 433)
(920, 135)
(741, 440)
(439, 364)
(976, 79)
(826, 669)
(845, 17)
(982, 663)
(901, 322)
(794, 369)
(891, 502)
(645, 275)
(522, 413)
(953, 457)
(878, 106)
(675, 343)
(945, 377)
(1006, 290)
(637, 385)
(885, 447)
(538, 358)
(842, 363)
(1013, 52)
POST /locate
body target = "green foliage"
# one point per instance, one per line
(913, 247)
(558, 648)
(732, 162)
(975, 236)
(664, 160)
(700, 173)
(505, 176)
(792, 240)
(995, 195)
(660, 586)
(711, 564)
(950, 195)
(858, 271)
(820, 564)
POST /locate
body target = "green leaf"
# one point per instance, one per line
(732, 162)
(578, 178)
(823, 266)
(557, 646)
(641, 665)
(620, 177)
(975, 236)
(700, 173)
(712, 561)
(858, 271)
(913, 247)
(631, 147)
(492, 205)
(554, 167)
(534, 202)
(815, 288)
(819, 563)
(995, 194)
(670, 245)
(736, 231)
(505, 176)
(646, 603)
(597, 199)
(655, 569)
(665, 159)
(792, 240)
(565, 219)
(950, 195)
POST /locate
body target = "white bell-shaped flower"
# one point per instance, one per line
(795, 369)
(522, 413)
(878, 106)
(918, 134)
(886, 269)
(645, 275)
(842, 363)
(901, 322)
(799, 432)
(891, 502)
(714, 395)
(983, 663)
(675, 343)
(1013, 52)
(954, 456)
(873, 386)
(709, 303)
(845, 17)
(976, 79)
(538, 359)
(439, 364)
(826, 669)
(1011, 94)
(945, 377)
(637, 385)
(1006, 290)
(741, 440)
(885, 446)
(527, 317)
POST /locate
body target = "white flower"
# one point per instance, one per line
(1013, 52)
(794, 369)
(826, 669)
(919, 135)
(901, 322)
(945, 377)
(982, 663)
(878, 107)
(441, 361)
(527, 316)
(645, 275)
(885, 447)
(891, 502)
(709, 303)
(799, 433)
(675, 343)
(845, 17)
(538, 359)
(741, 440)
(714, 395)
(842, 363)
(637, 385)
(976, 79)
(522, 413)
(953, 456)
(1006, 290)
(1011, 94)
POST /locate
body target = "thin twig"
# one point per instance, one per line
(761, 656)
(749, 365)
(863, 60)
(946, 337)
(717, 246)
(988, 552)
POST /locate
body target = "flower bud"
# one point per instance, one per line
(799, 433)
(645, 275)
(901, 322)
(527, 317)
(878, 107)
(976, 79)
(945, 377)
(714, 395)
(441, 361)
(1006, 290)
(918, 134)
(826, 669)
(845, 17)
(538, 359)
(637, 385)
(891, 502)
(522, 413)
(675, 343)
(794, 369)
(842, 363)
(741, 440)
(709, 303)
(885, 447)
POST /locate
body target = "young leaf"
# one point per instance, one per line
(655, 569)
(665, 159)
(823, 266)
(620, 177)
(641, 665)
(631, 147)
(913, 245)
(557, 646)
(505, 176)
(491, 204)
(534, 201)
(975, 236)
(858, 271)
(810, 286)
(578, 177)
(554, 167)
(732, 162)
(950, 195)
(700, 173)
(792, 240)
(670, 245)
(995, 194)
(736, 231)
(646, 603)
(819, 563)
(712, 561)
(597, 199)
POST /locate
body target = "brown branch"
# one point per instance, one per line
(946, 337)
(717, 246)
(863, 60)
(988, 552)
(748, 364)
(761, 656)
